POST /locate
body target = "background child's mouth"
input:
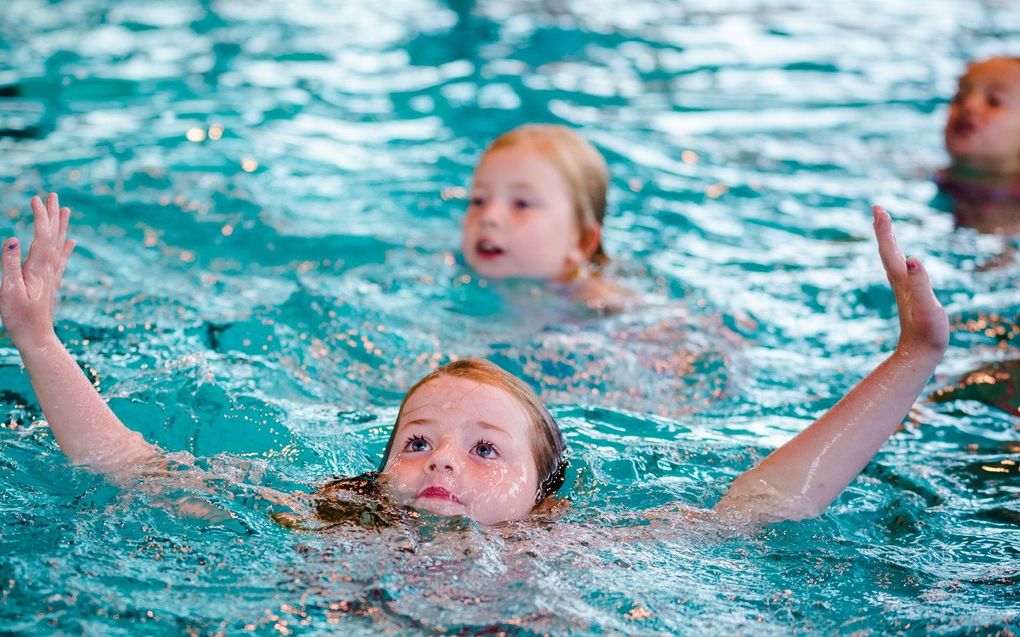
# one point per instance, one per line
(488, 250)
(964, 128)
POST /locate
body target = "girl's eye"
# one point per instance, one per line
(475, 202)
(416, 443)
(521, 204)
(484, 449)
(994, 101)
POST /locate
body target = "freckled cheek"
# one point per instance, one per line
(502, 481)
(403, 475)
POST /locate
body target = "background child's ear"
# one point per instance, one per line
(591, 237)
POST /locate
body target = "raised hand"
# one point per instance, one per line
(803, 476)
(82, 423)
(924, 328)
(28, 292)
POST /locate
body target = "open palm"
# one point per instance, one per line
(29, 290)
(923, 323)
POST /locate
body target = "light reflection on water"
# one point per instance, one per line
(267, 286)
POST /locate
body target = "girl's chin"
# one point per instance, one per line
(973, 165)
(439, 506)
(490, 268)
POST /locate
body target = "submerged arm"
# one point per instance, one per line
(803, 476)
(86, 429)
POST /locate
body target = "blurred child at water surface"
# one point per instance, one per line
(536, 209)
(472, 440)
(982, 136)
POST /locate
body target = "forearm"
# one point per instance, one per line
(87, 431)
(817, 464)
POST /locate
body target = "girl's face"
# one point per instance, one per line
(983, 129)
(520, 220)
(463, 448)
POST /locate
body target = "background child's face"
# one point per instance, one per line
(983, 129)
(463, 448)
(520, 220)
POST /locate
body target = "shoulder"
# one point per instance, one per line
(602, 293)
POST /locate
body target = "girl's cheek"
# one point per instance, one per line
(400, 471)
(503, 474)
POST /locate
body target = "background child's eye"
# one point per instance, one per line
(416, 443)
(994, 101)
(485, 450)
(476, 201)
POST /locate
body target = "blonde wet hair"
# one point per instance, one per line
(580, 164)
(547, 446)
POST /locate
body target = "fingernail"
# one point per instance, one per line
(12, 245)
(911, 265)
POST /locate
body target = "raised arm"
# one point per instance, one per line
(86, 429)
(802, 477)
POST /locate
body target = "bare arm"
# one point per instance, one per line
(86, 429)
(801, 478)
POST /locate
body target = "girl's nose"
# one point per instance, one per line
(492, 214)
(443, 459)
(442, 465)
(972, 101)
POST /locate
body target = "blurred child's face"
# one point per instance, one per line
(520, 220)
(463, 448)
(983, 129)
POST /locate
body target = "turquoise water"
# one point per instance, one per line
(267, 200)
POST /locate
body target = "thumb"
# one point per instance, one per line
(11, 264)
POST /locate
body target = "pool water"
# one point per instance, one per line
(267, 199)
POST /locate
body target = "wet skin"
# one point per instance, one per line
(983, 128)
(520, 220)
(463, 448)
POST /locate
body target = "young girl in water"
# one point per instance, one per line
(982, 137)
(535, 210)
(983, 129)
(472, 440)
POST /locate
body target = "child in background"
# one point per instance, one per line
(535, 210)
(473, 440)
(982, 137)
(983, 181)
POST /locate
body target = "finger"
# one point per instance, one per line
(13, 281)
(65, 255)
(892, 258)
(920, 284)
(65, 216)
(53, 213)
(41, 219)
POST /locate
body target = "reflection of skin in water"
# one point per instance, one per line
(990, 205)
(997, 384)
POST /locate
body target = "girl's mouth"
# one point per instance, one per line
(488, 250)
(439, 493)
(963, 127)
